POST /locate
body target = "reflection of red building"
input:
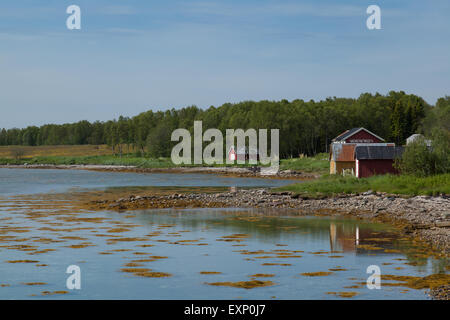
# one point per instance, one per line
(347, 238)
(343, 237)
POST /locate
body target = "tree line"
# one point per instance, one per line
(306, 127)
(422, 157)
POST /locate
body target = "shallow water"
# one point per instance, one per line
(40, 236)
(31, 181)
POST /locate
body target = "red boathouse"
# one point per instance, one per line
(372, 160)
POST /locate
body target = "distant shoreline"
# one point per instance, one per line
(229, 171)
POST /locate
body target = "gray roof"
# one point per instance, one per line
(346, 134)
(247, 150)
(377, 152)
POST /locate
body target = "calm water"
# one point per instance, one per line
(41, 235)
(29, 181)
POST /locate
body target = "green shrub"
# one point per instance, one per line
(422, 160)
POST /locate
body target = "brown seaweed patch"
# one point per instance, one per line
(72, 238)
(41, 251)
(234, 237)
(22, 261)
(392, 251)
(210, 272)
(368, 247)
(349, 294)
(316, 274)
(320, 252)
(133, 264)
(379, 239)
(21, 247)
(153, 274)
(414, 263)
(262, 275)
(353, 287)
(80, 245)
(118, 230)
(47, 240)
(252, 252)
(337, 269)
(427, 282)
(158, 257)
(134, 270)
(143, 260)
(49, 293)
(78, 219)
(34, 283)
(243, 284)
(114, 240)
(277, 264)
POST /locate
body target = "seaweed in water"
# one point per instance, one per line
(244, 284)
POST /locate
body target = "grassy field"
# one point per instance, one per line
(102, 155)
(26, 152)
(330, 185)
(125, 160)
(317, 164)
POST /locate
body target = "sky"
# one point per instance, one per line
(131, 56)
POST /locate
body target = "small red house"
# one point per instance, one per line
(358, 135)
(342, 149)
(372, 160)
(232, 154)
(246, 154)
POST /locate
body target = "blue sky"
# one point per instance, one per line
(133, 55)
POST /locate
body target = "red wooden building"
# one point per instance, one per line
(358, 135)
(372, 160)
(362, 153)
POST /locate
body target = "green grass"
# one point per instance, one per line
(125, 160)
(93, 160)
(102, 155)
(331, 185)
(317, 164)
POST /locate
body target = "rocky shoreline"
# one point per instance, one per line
(422, 216)
(427, 217)
(254, 172)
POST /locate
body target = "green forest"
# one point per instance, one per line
(306, 127)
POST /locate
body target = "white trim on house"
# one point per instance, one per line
(357, 168)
